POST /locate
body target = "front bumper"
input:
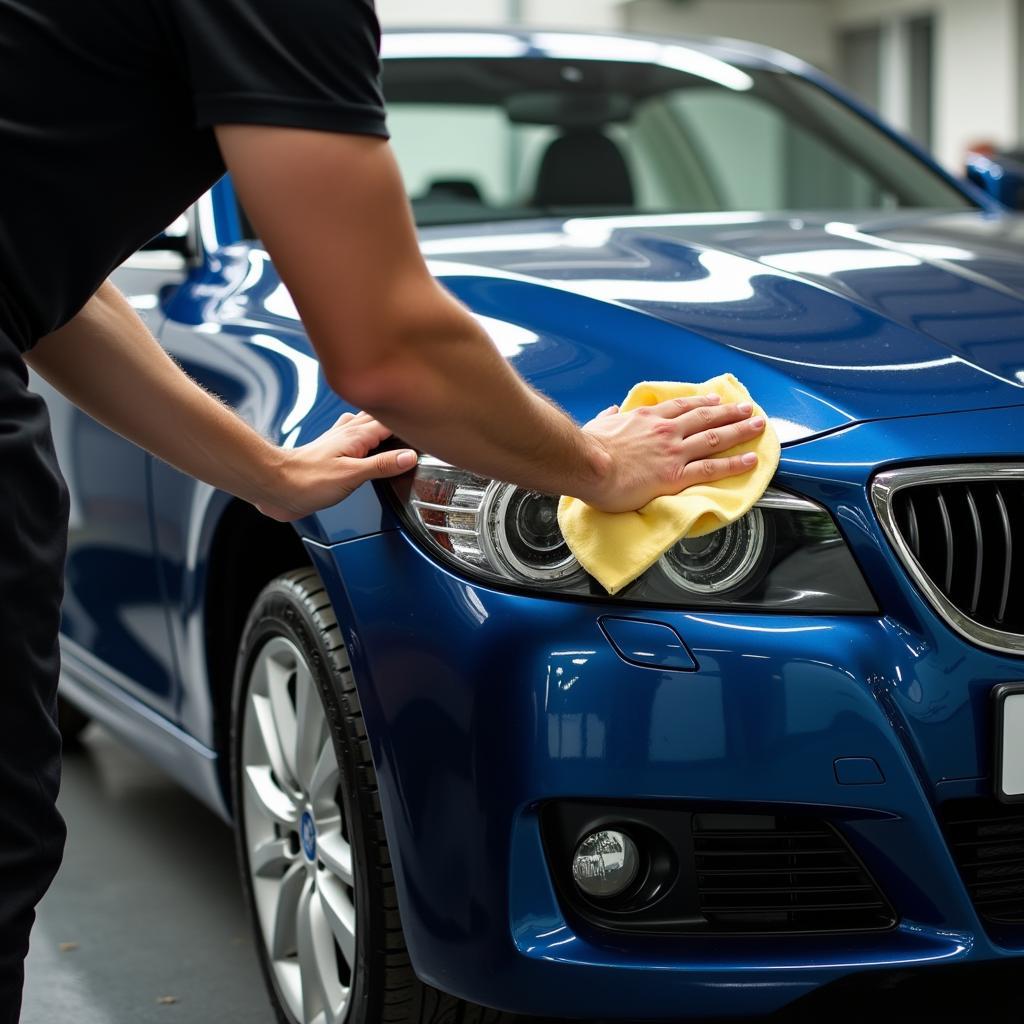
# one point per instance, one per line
(482, 705)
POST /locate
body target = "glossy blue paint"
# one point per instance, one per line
(862, 320)
(888, 339)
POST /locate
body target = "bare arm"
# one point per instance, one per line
(106, 362)
(333, 214)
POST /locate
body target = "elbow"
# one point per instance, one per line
(381, 388)
(400, 370)
(365, 389)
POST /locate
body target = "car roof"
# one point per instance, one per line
(424, 42)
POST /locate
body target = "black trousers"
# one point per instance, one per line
(33, 542)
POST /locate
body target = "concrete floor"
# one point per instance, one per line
(145, 922)
(149, 896)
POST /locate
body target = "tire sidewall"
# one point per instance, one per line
(278, 612)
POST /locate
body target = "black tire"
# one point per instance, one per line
(384, 989)
(72, 722)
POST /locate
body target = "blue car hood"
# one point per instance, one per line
(828, 321)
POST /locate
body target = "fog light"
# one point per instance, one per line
(605, 864)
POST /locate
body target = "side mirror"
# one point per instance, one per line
(1000, 175)
(175, 237)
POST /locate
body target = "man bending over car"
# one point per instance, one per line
(115, 115)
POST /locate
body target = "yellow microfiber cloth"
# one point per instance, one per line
(617, 547)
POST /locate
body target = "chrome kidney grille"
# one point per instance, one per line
(959, 530)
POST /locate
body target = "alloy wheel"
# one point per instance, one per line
(298, 844)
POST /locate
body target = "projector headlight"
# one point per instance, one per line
(722, 562)
(785, 554)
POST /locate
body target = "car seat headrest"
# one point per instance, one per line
(584, 168)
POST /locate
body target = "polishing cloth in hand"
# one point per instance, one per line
(617, 547)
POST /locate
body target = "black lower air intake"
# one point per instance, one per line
(659, 869)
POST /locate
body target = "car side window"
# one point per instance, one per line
(793, 167)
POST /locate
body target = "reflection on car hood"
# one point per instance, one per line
(826, 320)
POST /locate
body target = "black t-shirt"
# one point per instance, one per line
(106, 108)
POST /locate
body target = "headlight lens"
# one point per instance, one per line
(521, 529)
(785, 554)
(722, 562)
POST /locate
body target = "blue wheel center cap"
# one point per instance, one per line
(307, 830)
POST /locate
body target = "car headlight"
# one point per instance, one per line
(785, 554)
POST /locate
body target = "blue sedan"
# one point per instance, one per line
(465, 781)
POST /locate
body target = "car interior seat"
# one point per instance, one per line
(448, 189)
(583, 167)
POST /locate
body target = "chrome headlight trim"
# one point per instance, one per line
(890, 482)
(495, 542)
(737, 573)
(502, 535)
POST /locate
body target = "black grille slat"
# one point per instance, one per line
(914, 534)
(947, 532)
(988, 823)
(979, 551)
(755, 835)
(986, 839)
(762, 908)
(1008, 866)
(999, 887)
(1004, 519)
(756, 872)
(766, 853)
(961, 534)
(794, 889)
(993, 842)
(799, 875)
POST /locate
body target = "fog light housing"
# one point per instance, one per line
(605, 864)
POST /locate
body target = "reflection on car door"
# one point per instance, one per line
(113, 617)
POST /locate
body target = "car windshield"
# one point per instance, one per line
(484, 139)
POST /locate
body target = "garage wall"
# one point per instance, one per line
(978, 50)
(976, 82)
(594, 14)
(803, 27)
(448, 12)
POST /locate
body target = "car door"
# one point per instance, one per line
(114, 624)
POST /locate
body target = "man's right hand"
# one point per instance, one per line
(662, 449)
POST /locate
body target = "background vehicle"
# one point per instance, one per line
(436, 737)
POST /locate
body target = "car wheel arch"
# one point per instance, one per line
(246, 550)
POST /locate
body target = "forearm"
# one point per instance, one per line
(106, 361)
(333, 213)
(440, 384)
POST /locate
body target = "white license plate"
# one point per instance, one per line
(1009, 742)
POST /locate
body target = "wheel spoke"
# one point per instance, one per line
(309, 724)
(264, 711)
(340, 915)
(324, 779)
(271, 858)
(316, 960)
(283, 939)
(272, 801)
(336, 854)
(279, 675)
